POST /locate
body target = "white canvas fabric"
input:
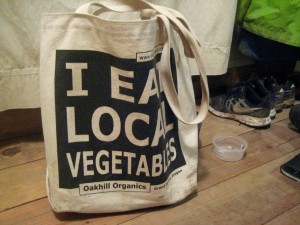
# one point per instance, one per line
(118, 109)
(212, 21)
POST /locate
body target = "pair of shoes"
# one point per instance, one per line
(245, 104)
(294, 116)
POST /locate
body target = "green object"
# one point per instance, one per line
(278, 20)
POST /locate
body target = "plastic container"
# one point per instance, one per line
(229, 147)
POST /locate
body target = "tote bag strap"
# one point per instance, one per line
(167, 80)
(191, 47)
(138, 5)
(130, 5)
(117, 6)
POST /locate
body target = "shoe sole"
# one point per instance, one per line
(273, 113)
(244, 119)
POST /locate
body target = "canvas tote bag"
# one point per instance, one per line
(118, 109)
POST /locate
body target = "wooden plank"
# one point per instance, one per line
(254, 197)
(213, 125)
(22, 184)
(290, 217)
(263, 146)
(19, 122)
(21, 150)
(40, 212)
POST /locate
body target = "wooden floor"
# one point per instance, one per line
(251, 191)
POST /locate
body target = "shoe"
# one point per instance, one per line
(242, 104)
(294, 116)
(289, 94)
(292, 168)
(277, 93)
(257, 85)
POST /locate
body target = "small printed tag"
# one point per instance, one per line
(113, 186)
(148, 56)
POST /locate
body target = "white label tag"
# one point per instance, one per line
(147, 56)
(112, 186)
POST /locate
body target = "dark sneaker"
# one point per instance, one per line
(258, 86)
(242, 104)
(289, 94)
(294, 116)
(276, 91)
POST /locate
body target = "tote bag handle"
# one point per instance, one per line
(191, 46)
(138, 5)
